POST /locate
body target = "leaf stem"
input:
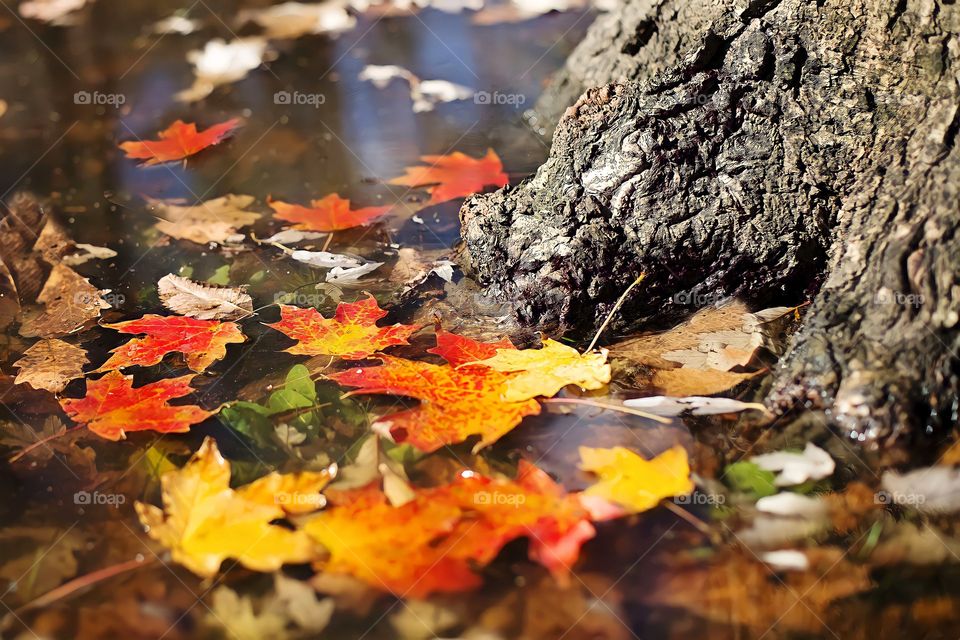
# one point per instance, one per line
(42, 441)
(82, 582)
(616, 307)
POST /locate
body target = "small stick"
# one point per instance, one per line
(90, 579)
(616, 307)
(697, 523)
(42, 441)
(609, 407)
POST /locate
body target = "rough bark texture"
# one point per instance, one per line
(785, 147)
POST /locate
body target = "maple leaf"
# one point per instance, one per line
(178, 141)
(203, 342)
(215, 220)
(203, 521)
(545, 371)
(330, 213)
(449, 530)
(352, 332)
(113, 407)
(454, 403)
(454, 176)
(632, 482)
(460, 350)
(50, 364)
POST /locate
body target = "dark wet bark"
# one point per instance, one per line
(767, 149)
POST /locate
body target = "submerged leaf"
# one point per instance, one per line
(634, 483)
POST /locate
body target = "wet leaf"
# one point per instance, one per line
(57, 12)
(696, 405)
(70, 303)
(178, 141)
(352, 332)
(794, 468)
(112, 406)
(213, 221)
(203, 521)
(454, 176)
(459, 350)
(220, 63)
(50, 364)
(290, 20)
(425, 93)
(545, 371)
(291, 610)
(203, 342)
(330, 213)
(203, 301)
(634, 483)
(88, 252)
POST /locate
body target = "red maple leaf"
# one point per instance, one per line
(330, 213)
(352, 332)
(112, 407)
(460, 350)
(178, 141)
(203, 342)
(454, 176)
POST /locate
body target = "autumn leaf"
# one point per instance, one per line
(454, 176)
(178, 141)
(112, 407)
(203, 342)
(460, 350)
(50, 364)
(330, 213)
(545, 371)
(215, 220)
(352, 332)
(203, 301)
(203, 521)
(454, 403)
(448, 530)
(69, 302)
(634, 483)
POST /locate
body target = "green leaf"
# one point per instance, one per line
(299, 380)
(746, 477)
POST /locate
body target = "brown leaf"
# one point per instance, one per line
(214, 221)
(693, 382)
(203, 301)
(50, 364)
(70, 302)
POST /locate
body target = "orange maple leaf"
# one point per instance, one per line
(113, 407)
(352, 332)
(178, 141)
(203, 342)
(455, 402)
(330, 213)
(449, 530)
(454, 176)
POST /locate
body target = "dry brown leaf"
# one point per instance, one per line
(214, 221)
(203, 301)
(693, 382)
(69, 301)
(50, 364)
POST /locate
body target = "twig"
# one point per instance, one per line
(42, 441)
(608, 407)
(90, 579)
(682, 513)
(616, 307)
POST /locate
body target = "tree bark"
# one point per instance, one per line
(773, 150)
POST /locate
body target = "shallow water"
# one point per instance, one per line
(672, 572)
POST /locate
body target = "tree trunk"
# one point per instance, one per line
(773, 150)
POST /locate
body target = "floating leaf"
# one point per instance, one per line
(178, 141)
(454, 176)
(215, 220)
(203, 301)
(696, 405)
(632, 482)
(221, 62)
(352, 332)
(545, 371)
(330, 213)
(70, 303)
(112, 407)
(203, 342)
(50, 364)
(425, 93)
(203, 521)
(460, 350)
(294, 19)
(794, 468)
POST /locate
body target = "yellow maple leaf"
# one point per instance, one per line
(634, 483)
(543, 372)
(204, 521)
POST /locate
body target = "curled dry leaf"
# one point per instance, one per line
(221, 62)
(797, 467)
(696, 405)
(204, 521)
(70, 303)
(636, 484)
(203, 301)
(329, 213)
(425, 93)
(203, 342)
(455, 175)
(88, 252)
(215, 220)
(178, 141)
(112, 406)
(50, 364)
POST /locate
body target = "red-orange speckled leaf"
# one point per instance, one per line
(454, 403)
(112, 407)
(203, 342)
(449, 530)
(178, 141)
(352, 332)
(459, 350)
(330, 213)
(455, 175)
